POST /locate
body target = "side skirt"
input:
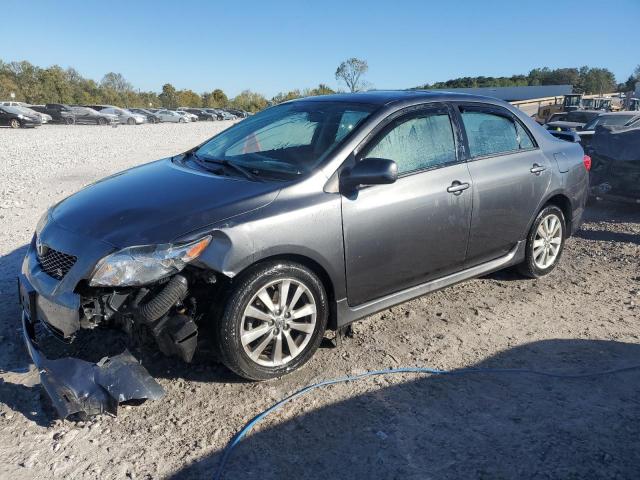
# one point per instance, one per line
(347, 314)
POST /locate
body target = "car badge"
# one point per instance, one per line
(41, 248)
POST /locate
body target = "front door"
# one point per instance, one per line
(403, 234)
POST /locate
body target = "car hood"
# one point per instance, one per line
(158, 202)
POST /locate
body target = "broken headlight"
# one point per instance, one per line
(141, 265)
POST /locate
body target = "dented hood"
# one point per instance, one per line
(158, 202)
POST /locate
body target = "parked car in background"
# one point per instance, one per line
(449, 186)
(225, 115)
(15, 117)
(618, 119)
(573, 121)
(201, 113)
(86, 115)
(59, 112)
(171, 116)
(215, 112)
(26, 109)
(150, 116)
(238, 113)
(125, 116)
(190, 116)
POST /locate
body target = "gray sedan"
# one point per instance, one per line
(304, 217)
(171, 116)
(125, 116)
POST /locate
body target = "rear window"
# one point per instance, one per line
(491, 134)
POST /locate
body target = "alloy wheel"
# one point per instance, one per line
(547, 241)
(278, 322)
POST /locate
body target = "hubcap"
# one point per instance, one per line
(547, 242)
(278, 322)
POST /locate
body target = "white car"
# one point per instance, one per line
(24, 107)
(191, 116)
(125, 115)
(171, 116)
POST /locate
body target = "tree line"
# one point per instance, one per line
(585, 80)
(35, 85)
(32, 84)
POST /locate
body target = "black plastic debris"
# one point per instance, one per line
(79, 387)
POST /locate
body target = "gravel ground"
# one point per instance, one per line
(583, 317)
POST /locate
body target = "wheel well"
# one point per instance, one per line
(564, 204)
(322, 274)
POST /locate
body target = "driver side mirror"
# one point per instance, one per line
(370, 171)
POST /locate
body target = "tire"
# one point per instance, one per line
(182, 120)
(69, 120)
(102, 121)
(250, 360)
(131, 121)
(540, 259)
(15, 123)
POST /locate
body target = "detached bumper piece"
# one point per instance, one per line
(79, 387)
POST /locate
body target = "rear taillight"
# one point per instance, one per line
(587, 162)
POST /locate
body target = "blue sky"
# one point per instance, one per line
(280, 45)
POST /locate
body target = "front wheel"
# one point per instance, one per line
(102, 121)
(545, 243)
(273, 321)
(182, 120)
(131, 121)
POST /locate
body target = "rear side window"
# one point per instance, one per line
(493, 134)
(417, 143)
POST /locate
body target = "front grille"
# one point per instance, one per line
(56, 264)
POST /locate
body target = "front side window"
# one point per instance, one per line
(288, 139)
(492, 134)
(417, 143)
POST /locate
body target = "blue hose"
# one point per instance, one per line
(423, 370)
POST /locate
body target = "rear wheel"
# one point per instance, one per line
(131, 121)
(273, 321)
(181, 120)
(14, 123)
(102, 121)
(545, 243)
(69, 120)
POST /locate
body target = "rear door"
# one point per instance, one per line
(416, 229)
(510, 177)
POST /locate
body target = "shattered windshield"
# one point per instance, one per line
(289, 139)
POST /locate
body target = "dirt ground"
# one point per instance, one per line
(584, 317)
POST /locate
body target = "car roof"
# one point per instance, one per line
(623, 112)
(385, 97)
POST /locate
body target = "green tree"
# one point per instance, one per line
(189, 98)
(285, 97)
(351, 71)
(116, 82)
(250, 101)
(169, 97)
(596, 80)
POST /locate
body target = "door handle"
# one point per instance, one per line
(537, 169)
(457, 187)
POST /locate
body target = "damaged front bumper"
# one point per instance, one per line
(76, 386)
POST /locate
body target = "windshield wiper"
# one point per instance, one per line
(231, 165)
(221, 162)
